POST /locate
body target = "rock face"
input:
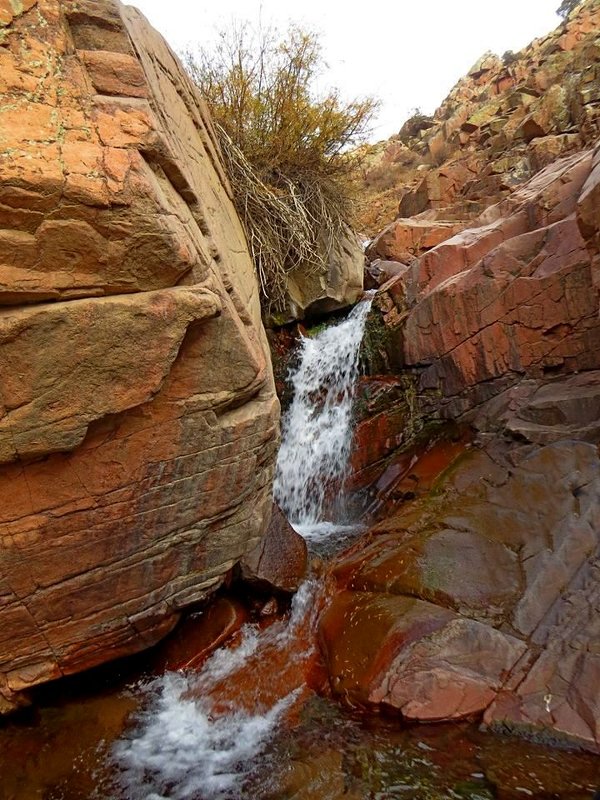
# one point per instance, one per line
(138, 419)
(507, 119)
(483, 599)
(312, 293)
(512, 298)
(478, 594)
(280, 560)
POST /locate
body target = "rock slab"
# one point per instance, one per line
(138, 418)
(482, 599)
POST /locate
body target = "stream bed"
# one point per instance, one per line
(71, 748)
(254, 720)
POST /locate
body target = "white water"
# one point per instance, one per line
(183, 747)
(189, 742)
(317, 429)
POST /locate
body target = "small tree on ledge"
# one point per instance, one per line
(285, 145)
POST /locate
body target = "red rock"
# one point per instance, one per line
(138, 418)
(515, 296)
(412, 237)
(492, 131)
(410, 655)
(279, 560)
(507, 548)
(199, 635)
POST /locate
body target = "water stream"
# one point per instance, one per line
(317, 430)
(197, 736)
(254, 722)
(200, 734)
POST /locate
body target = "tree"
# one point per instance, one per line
(566, 7)
(285, 145)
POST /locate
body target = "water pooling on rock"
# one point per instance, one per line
(317, 429)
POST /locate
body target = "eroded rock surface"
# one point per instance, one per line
(312, 292)
(502, 123)
(481, 599)
(513, 297)
(138, 420)
(280, 560)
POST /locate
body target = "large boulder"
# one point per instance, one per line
(481, 599)
(313, 292)
(138, 418)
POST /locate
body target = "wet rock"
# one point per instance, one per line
(482, 597)
(312, 777)
(279, 561)
(199, 635)
(413, 656)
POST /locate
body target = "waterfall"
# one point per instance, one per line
(317, 428)
(201, 734)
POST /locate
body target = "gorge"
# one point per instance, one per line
(450, 646)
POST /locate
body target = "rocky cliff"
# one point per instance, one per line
(138, 420)
(503, 122)
(476, 594)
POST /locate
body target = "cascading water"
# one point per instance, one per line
(198, 737)
(317, 430)
(248, 724)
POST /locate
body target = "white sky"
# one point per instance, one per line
(408, 53)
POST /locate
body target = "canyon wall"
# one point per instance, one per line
(503, 122)
(476, 593)
(138, 419)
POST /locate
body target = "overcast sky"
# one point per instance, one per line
(409, 53)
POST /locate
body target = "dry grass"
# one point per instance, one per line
(285, 148)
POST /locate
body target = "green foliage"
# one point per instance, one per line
(286, 147)
(566, 7)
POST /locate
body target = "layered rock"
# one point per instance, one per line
(481, 599)
(503, 122)
(477, 596)
(138, 419)
(510, 299)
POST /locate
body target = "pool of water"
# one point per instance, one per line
(89, 738)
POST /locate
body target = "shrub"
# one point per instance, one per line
(286, 147)
(566, 7)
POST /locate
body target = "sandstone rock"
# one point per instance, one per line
(199, 635)
(279, 560)
(313, 293)
(410, 237)
(508, 549)
(515, 297)
(563, 408)
(482, 597)
(487, 131)
(413, 656)
(86, 374)
(379, 272)
(138, 419)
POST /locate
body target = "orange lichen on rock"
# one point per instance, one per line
(138, 418)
